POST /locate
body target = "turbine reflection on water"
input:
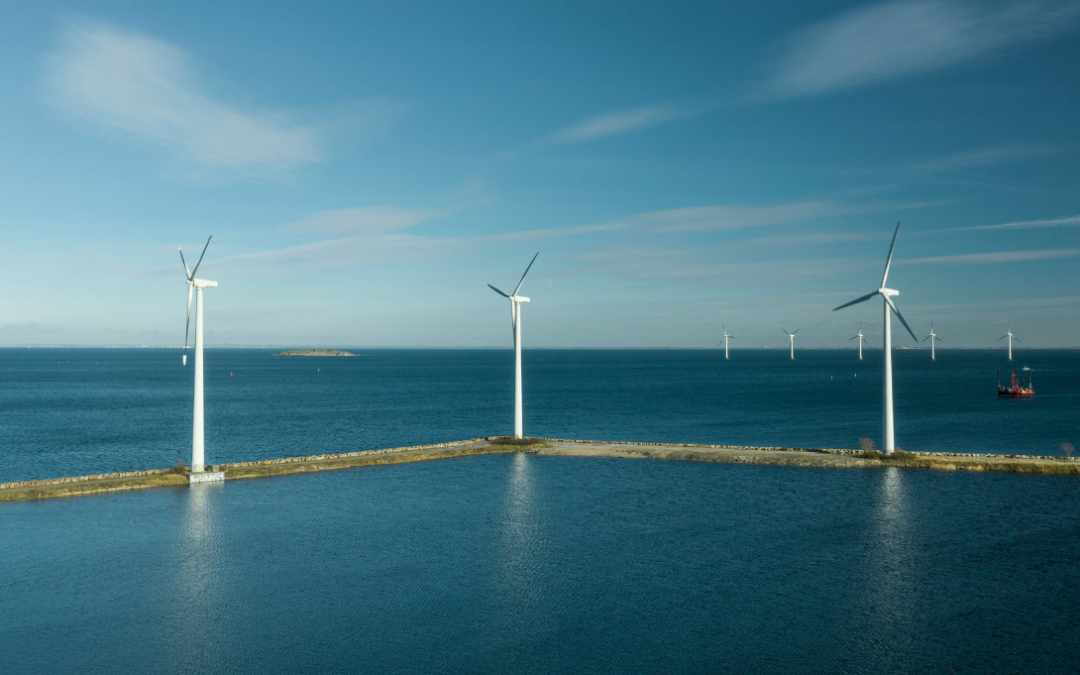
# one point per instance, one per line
(518, 586)
(893, 574)
(200, 567)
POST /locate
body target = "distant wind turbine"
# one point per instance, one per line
(726, 336)
(515, 321)
(1011, 338)
(197, 285)
(886, 294)
(932, 338)
(792, 336)
(861, 340)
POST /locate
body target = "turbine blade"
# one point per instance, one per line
(785, 330)
(498, 291)
(1016, 338)
(187, 326)
(1001, 338)
(513, 321)
(186, 270)
(196, 270)
(937, 338)
(901, 317)
(857, 301)
(526, 272)
(925, 339)
(852, 338)
(797, 330)
(888, 262)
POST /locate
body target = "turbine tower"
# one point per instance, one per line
(861, 340)
(886, 293)
(197, 285)
(792, 336)
(1011, 338)
(726, 336)
(932, 338)
(515, 321)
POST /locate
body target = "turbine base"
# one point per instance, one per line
(206, 477)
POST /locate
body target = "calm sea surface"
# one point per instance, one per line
(68, 412)
(527, 564)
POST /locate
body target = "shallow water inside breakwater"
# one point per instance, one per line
(70, 412)
(529, 564)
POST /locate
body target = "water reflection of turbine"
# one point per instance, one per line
(519, 580)
(200, 562)
(893, 580)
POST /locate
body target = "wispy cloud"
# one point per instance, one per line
(984, 157)
(363, 220)
(1000, 257)
(895, 39)
(132, 86)
(1022, 224)
(729, 217)
(341, 253)
(619, 122)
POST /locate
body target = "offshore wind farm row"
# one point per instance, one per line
(196, 287)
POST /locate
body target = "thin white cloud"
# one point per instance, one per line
(340, 253)
(999, 257)
(1023, 224)
(620, 122)
(895, 39)
(363, 220)
(136, 87)
(728, 217)
(983, 157)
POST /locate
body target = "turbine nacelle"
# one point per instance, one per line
(203, 283)
(888, 292)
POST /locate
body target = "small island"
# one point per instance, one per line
(314, 352)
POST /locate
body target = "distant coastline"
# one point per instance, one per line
(314, 352)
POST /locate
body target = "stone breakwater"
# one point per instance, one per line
(778, 456)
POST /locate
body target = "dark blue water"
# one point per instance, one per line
(77, 411)
(526, 564)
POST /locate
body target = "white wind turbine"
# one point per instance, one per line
(861, 340)
(197, 409)
(515, 320)
(792, 336)
(726, 336)
(932, 337)
(1011, 338)
(886, 293)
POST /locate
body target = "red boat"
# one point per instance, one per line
(1016, 389)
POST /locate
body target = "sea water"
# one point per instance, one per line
(66, 412)
(528, 564)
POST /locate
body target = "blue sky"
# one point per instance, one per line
(366, 170)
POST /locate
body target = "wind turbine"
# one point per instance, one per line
(515, 321)
(932, 338)
(197, 285)
(1011, 338)
(886, 293)
(792, 336)
(726, 336)
(861, 340)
